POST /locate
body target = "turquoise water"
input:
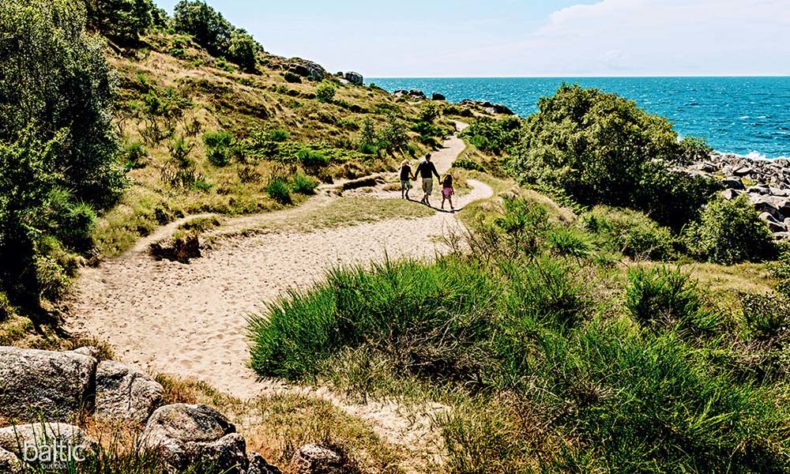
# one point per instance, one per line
(743, 115)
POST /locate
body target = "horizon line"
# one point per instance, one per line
(583, 76)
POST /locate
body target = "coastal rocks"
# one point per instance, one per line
(314, 459)
(258, 465)
(187, 434)
(46, 439)
(308, 69)
(487, 107)
(355, 78)
(410, 94)
(123, 393)
(438, 96)
(732, 182)
(35, 383)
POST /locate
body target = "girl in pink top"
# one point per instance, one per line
(447, 190)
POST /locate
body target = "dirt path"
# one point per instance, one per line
(190, 320)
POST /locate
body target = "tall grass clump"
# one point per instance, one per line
(303, 184)
(278, 189)
(630, 232)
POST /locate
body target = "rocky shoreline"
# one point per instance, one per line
(766, 183)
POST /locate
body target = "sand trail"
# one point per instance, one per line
(190, 319)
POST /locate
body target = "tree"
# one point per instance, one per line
(243, 51)
(121, 20)
(209, 28)
(57, 146)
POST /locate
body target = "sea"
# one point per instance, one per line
(747, 116)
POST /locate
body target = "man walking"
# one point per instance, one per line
(427, 170)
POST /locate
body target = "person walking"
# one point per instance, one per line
(405, 179)
(448, 191)
(427, 170)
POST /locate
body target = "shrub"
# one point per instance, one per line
(767, 316)
(218, 147)
(312, 158)
(428, 113)
(629, 232)
(661, 297)
(277, 188)
(393, 137)
(325, 92)
(121, 20)
(494, 136)
(206, 25)
(602, 149)
(277, 135)
(291, 77)
(303, 184)
(729, 232)
(467, 164)
(243, 50)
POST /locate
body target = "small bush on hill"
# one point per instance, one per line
(629, 232)
(291, 77)
(135, 154)
(729, 232)
(277, 188)
(122, 20)
(243, 50)
(218, 147)
(312, 158)
(325, 92)
(303, 184)
(467, 164)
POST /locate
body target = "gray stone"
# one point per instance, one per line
(52, 385)
(190, 434)
(773, 223)
(733, 182)
(258, 465)
(305, 68)
(48, 440)
(355, 78)
(438, 96)
(743, 171)
(9, 462)
(314, 459)
(729, 194)
(89, 351)
(124, 393)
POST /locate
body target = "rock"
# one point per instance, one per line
(124, 393)
(758, 190)
(314, 459)
(88, 351)
(52, 385)
(9, 462)
(487, 107)
(190, 434)
(438, 96)
(729, 194)
(305, 68)
(765, 204)
(258, 465)
(733, 182)
(743, 171)
(355, 78)
(47, 443)
(781, 235)
(773, 223)
(182, 249)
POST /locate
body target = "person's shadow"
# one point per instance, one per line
(437, 209)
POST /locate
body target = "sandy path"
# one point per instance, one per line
(189, 320)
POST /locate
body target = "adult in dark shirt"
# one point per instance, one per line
(427, 170)
(405, 179)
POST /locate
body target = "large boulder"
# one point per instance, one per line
(45, 444)
(355, 78)
(315, 459)
(733, 182)
(309, 69)
(124, 393)
(52, 385)
(188, 435)
(438, 96)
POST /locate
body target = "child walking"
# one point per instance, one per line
(405, 179)
(447, 190)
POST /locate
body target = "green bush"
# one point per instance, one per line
(325, 92)
(494, 136)
(277, 188)
(602, 149)
(122, 20)
(312, 158)
(209, 28)
(277, 135)
(729, 232)
(218, 147)
(291, 77)
(630, 232)
(243, 50)
(303, 184)
(135, 154)
(467, 164)
(660, 297)
(767, 316)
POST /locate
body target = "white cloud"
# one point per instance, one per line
(663, 37)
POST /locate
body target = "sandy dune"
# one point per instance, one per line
(189, 320)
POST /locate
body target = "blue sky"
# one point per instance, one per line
(487, 38)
